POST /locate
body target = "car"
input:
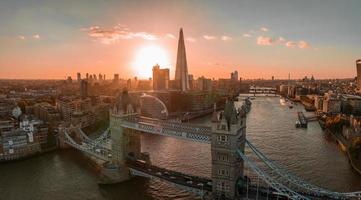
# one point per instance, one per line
(209, 183)
(190, 182)
(172, 177)
(159, 173)
(200, 184)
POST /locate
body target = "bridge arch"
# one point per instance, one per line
(152, 106)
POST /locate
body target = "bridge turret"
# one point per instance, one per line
(228, 135)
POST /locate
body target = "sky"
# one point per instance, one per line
(54, 39)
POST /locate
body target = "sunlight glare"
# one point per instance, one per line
(146, 58)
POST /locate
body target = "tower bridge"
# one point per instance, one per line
(239, 169)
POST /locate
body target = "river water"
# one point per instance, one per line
(66, 174)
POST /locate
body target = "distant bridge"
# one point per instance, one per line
(255, 90)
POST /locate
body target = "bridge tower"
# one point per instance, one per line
(123, 141)
(228, 135)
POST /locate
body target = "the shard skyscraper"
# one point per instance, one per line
(181, 71)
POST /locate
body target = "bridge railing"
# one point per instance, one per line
(194, 133)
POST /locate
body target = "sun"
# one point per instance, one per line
(148, 56)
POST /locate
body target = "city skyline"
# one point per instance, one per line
(53, 40)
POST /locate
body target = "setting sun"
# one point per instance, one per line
(148, 56)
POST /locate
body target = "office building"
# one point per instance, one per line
(358, 68)
(116, 79)
(331, 104)
(234, 76)
(84, 88)
(160, 78)
(204, 84)
(78, 77)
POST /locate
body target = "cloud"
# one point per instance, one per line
(281, 39)
(36, 36)
(144, 35)
(226, 38)
(190, 39)
(264, 29)
(291, 44)
(21, 37)
(303, 44)
(247, 35)
(264, 41)
(169, 35)
(209, 37)
(118, 32)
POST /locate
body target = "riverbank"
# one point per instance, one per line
(345, 146)
(29, 156)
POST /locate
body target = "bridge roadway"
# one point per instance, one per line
(169, 128)
(191, 183)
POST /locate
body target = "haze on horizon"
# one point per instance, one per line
(260, 39)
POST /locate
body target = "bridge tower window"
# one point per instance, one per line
(223, 157)
(223, 186)
(223, 172)
(223, 138)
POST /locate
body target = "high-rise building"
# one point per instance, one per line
(69, 80)
(358, 67)
(87, 76)
(204, 84)
(116, 78)
(83, 88)
(160, 78)
(191, 80)
(181, 71)
(234, 76)
(78, 77)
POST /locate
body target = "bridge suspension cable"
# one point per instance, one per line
(99, 141)
(282, 172)
(284, 190)
(93, 149)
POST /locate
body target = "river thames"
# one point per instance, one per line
(308, 153)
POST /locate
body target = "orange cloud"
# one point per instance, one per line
(36, 36)
(21, 37)
(291, 44)
(226, 38)
(303, 44)
(191, 39)
(264, 29)
(281, 39)
(119, 32)
(209, 37)
(169, 35)
(264, 41)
